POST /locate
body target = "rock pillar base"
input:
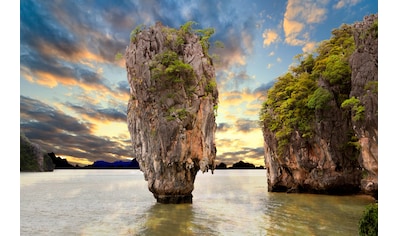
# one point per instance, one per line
(174, 199)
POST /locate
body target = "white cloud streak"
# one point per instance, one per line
(342, 3)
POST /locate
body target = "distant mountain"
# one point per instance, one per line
(243, 165)
(133, 164)
(34, 158)
(238, 165)
(221, 166)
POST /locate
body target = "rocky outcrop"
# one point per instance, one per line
(33, 157)
(171, 111)
(364, 64)
(60, 163)
(317, 165)
(341, 156)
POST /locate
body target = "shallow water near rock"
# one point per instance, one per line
(229, 202)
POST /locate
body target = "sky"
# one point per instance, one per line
(74, 94)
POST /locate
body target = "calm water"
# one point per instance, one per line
(229, 202)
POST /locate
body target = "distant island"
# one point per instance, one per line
(239, 165)
(62, 163)
(34, 159)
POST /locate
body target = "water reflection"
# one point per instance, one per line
(311, 214)
(227, 203)
(167, 219)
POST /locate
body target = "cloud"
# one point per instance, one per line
(292, 31)
(36, 112)
(231, 55)
(246, 125)
(269, 37)
(244, 104)
(123, 87)
(66, 135)
(309, 47)
(298, 15)
(53, 43)
(49, 34)
(262, 89)
(74, 54)
(342, 3)
(307, 11)
(223, 127)
(53, 74)
(246, 154)
(233, 80)
(100, 114)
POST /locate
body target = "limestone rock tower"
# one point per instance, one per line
(172, 107)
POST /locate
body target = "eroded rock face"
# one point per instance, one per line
(325, 163)
(171, 111)
(364, 64)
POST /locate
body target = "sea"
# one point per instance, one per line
(227, 202)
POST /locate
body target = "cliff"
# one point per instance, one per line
(33, 157)
(320, 119)
(171, 111)
(364, 64)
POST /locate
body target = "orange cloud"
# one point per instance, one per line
(232, 55)
(77, 160)
(239, 105)
(307, 11)
(83, 55)
(309, 47)
(238, 58)
(226, 145)
(50, 80)
(269, 37)
(292, 30)
(297, 14)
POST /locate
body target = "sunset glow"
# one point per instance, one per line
(74, 92)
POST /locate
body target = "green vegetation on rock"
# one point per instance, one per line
(368, 224)
(310, 86)
(135, 31)
(355, 106)
(171, 68)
